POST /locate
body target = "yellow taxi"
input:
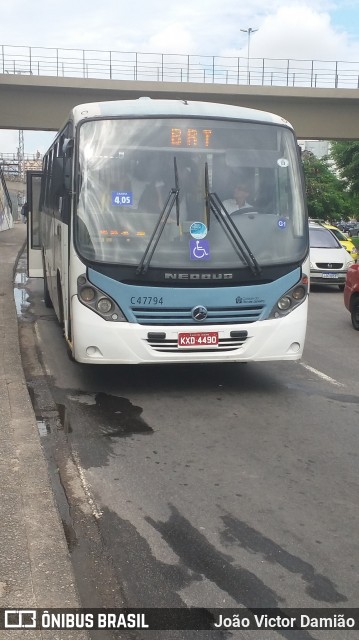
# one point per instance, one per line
(344, 240)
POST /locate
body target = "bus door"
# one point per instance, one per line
(56, 246)
(34, 244)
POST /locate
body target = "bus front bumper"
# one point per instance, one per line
(97, 341)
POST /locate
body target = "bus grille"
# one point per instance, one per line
(224, 344)
(182, 316)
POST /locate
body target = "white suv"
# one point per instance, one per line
(329, 261)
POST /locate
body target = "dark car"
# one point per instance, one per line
(354, 230)
(351, 294)
(350, 228)
(343, 226)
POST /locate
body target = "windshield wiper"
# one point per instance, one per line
(216, 206)
(173, 197)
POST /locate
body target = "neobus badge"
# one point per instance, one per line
(198, 276)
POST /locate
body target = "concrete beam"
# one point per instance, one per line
(42, 103)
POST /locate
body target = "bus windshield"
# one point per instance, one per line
(129, 169)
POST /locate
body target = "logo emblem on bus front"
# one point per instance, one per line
(199, 313)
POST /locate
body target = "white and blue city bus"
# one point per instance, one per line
(144, 260)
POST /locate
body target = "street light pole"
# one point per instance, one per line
(249, 31)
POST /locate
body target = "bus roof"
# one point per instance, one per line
(177, 108)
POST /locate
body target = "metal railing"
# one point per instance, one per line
(169, 67)
(14, 167)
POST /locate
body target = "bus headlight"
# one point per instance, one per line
(104, 305)
(284, 303)
(87, 294)
(96, 300)
(299, 293)
(291, 299)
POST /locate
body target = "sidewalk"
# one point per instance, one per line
(35, 566)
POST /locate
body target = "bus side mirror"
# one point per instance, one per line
(67, 147)
(67, 152)
(61, 176)
(67, 174)
(57, 178)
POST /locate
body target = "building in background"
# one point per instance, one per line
(319, 148)
(14, 165)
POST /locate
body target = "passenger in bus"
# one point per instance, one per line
(239, 200)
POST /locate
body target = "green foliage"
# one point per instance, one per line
(345, 155)
(327, 196)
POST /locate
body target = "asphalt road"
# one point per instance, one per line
(206, 486)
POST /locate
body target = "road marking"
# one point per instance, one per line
(321, 375)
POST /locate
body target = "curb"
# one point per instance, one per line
(35, 564)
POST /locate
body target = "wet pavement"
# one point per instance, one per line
(35, 566)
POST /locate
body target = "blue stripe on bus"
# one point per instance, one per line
(253, 301)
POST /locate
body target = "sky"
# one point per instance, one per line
(302, 30)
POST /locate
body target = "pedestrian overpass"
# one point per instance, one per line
(36, 102)
(39, 86)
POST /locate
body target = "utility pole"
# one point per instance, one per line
(21, 157)
(249, 31)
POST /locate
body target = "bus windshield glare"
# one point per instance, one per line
(129, 169)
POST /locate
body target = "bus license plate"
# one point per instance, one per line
(330, 275)
(204, 339)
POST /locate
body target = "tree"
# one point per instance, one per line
(345, 155)
(327, 198)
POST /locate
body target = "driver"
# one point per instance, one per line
(239, 200)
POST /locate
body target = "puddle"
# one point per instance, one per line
(65, 424)
(21, 278)
(114, 416)
(20, 294)
(21, 302)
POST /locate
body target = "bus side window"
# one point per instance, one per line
(66, 150)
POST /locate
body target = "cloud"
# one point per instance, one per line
(286, 28)
(173, 38)
(9, 141)
(33, 141)
(299, 30)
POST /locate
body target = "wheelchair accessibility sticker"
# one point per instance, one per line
(199, 250)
